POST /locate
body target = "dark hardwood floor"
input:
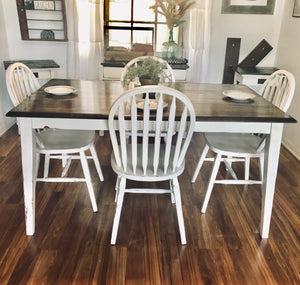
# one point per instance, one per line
(72, 244)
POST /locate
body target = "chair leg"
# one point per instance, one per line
(247, 168)
(46, 165)
(172, 192)
(201, 160)
(117, 187)
(212, 179)
(88, 180)
(37, 161)
(18, 123)
(96, 161)
(261, 166)
(66, 167)
(178, 204)
(228, 164)
(118, 210)
(64, 161)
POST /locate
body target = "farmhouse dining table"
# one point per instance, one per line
(88, 108)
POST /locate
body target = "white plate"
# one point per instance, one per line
(153, 104)
(60, 90)
(238, 95)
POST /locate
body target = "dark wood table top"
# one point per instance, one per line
(93, 100)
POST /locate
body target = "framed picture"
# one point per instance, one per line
(248, 6)
(44, 5)
(42, 20)
(296, 12)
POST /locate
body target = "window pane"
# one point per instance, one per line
(161, 18)
(119, 38)
(142, 12)
(142, 37)
(120, 10)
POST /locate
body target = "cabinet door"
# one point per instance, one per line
(43, 20)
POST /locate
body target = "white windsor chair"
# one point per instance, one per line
(150, 162)
(279, 90)
(55, 143)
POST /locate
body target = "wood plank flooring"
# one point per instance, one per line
(72, 244)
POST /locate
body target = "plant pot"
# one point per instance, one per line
(146, 81)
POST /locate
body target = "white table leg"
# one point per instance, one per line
(272, 152)
(29, 167)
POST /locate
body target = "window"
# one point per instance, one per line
(128, 22)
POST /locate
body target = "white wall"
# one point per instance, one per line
(5, 103)
(288, 57)
(13, 48)
(19, 49)
(252, 29)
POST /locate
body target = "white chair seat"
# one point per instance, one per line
(149, 176)
(233, 144)
(57, 140)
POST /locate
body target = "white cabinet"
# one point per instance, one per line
(42, 69)
(253, 77)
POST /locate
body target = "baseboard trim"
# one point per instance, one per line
(6, 127)
(291, 149)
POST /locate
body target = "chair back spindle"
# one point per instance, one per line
(153, 117)
(21, 82)
(279, 89)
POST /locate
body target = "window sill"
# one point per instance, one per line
(113, 71)
(181, 66)
(121, 58)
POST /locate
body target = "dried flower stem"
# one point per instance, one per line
(173, 10)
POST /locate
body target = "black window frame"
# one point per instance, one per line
(108, 26)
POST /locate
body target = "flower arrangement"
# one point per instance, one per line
(173, 10)
(147, 68)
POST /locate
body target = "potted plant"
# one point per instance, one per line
(148, 71)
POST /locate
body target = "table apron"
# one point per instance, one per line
(233, 127)
(201, 126)
(74, 124)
